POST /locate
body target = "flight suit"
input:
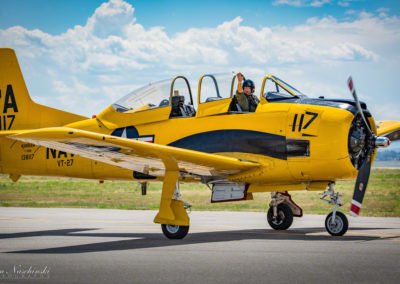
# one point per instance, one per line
(246, 103)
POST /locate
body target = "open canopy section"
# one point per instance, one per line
(215, 93)
(274, 88)
(213, 87)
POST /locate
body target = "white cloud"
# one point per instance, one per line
(111, 18)
(302, 3)
(312, 3)
(88, 67)
(296, 3)
(350, 12)
(383, 12)
(319, 3)
(346, 3)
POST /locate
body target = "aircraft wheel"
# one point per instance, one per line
(175, 232)
(339, 226)
(284, 219)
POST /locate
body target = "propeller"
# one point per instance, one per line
(372, 142)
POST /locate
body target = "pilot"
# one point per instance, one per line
(244, 100)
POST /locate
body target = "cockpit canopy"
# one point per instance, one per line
(214, 90)
(274, 88)
(155, 95)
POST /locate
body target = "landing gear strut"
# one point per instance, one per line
(281, 211)
(336, 222)
(177, 231)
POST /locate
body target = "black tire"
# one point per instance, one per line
(175, 232)
(339, 228)
(284, 219)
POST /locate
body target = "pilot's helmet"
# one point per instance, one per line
(249, 83)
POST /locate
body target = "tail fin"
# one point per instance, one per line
(17, 110)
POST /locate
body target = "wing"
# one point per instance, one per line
(134, 155)
(389, 128)
(7, 133)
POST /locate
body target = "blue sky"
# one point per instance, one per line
(83, 55)
(178, 16)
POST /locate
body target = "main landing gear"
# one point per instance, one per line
(281, 211)
(336, 222)
(177, 231)
(174, 231)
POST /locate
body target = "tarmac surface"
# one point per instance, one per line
(60, 245)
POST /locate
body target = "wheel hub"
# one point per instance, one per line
(279, 219)
(336, 226)
(173, 229)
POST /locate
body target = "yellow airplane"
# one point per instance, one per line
(159, 134)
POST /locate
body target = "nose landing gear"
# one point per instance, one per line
(336, 222)
(338, 225)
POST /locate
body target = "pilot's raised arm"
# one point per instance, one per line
(244, 100)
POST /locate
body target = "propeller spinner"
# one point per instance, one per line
(370, 143)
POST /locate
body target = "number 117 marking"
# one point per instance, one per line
(301, 120)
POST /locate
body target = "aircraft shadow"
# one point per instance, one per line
(152, 240)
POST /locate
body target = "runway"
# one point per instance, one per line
(57, 245)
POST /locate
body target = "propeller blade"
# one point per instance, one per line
(361, 185)
(353, 92)
(365, 169)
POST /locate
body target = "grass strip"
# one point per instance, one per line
(382, 197)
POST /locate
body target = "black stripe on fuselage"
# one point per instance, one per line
(235, 140)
